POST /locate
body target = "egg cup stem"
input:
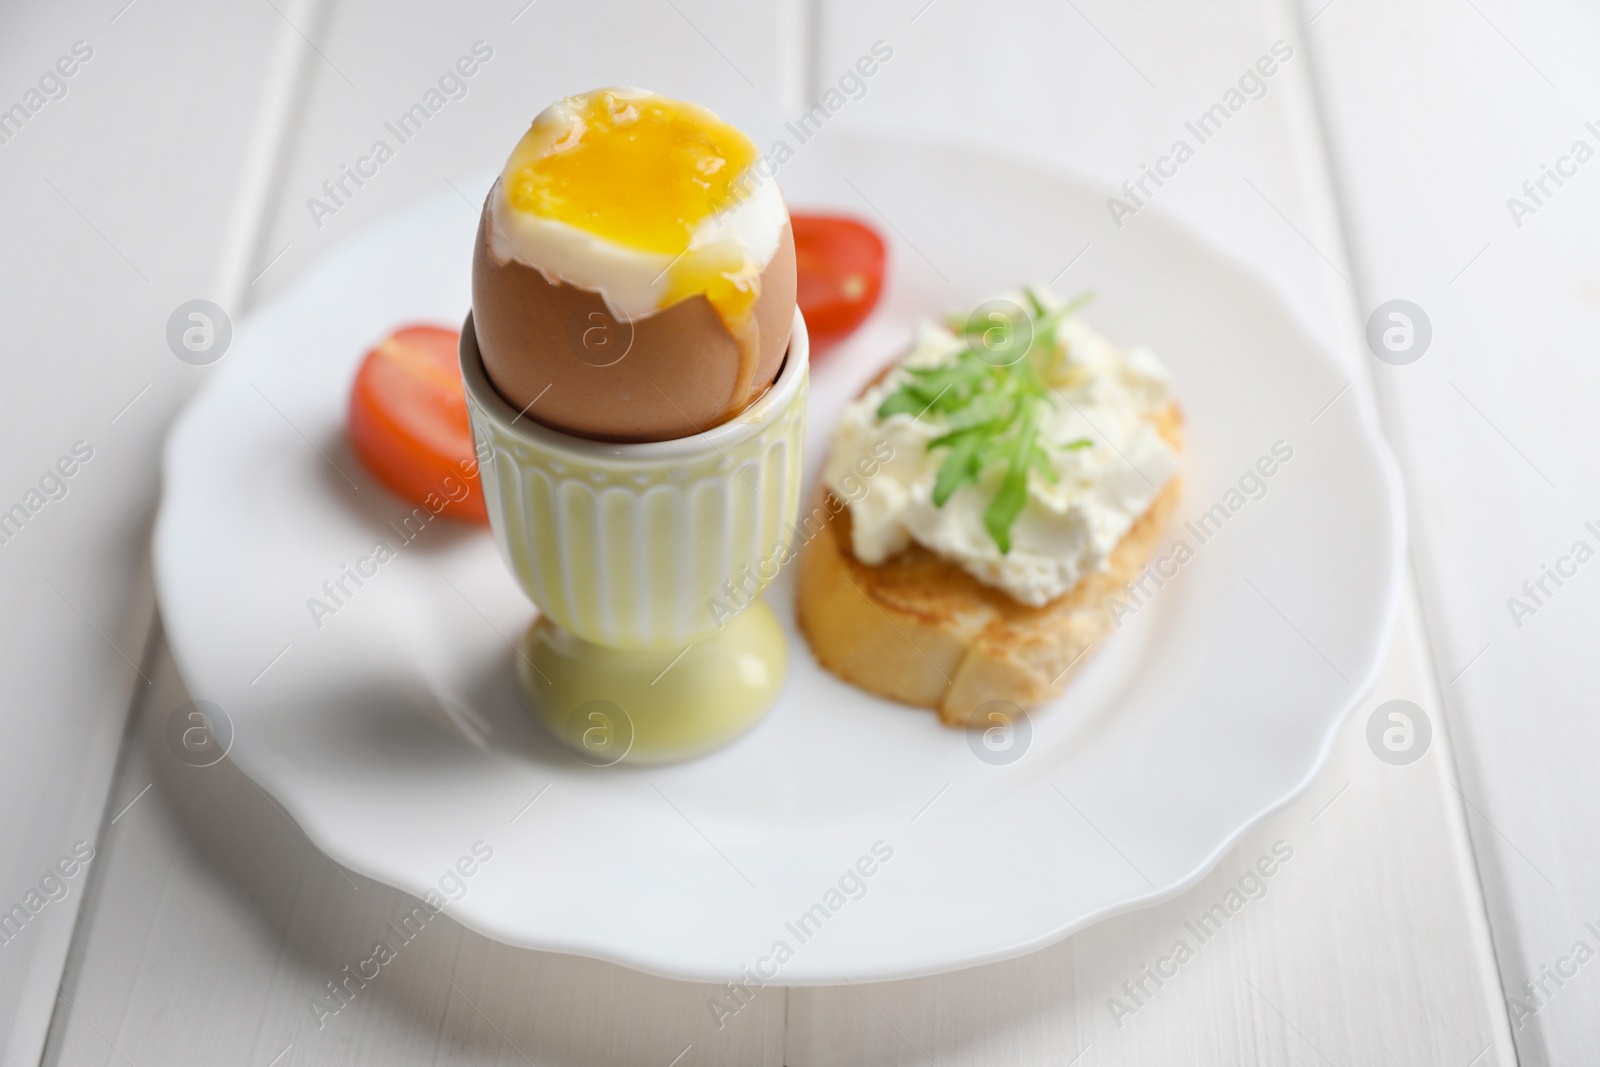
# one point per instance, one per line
(644, 706)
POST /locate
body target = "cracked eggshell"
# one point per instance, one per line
(669, 374)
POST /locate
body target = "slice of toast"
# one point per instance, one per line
(921, 630)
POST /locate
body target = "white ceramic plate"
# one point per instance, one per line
(394, 733)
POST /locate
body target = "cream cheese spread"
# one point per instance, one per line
(1068, 527)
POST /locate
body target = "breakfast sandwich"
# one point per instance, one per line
(984, 497)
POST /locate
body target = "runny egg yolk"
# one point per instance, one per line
(644, 172)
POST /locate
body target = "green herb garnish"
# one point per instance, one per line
(992, 395)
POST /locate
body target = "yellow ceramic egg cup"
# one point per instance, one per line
(647, 562)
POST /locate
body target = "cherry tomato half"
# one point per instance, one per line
(408, 422)
(840, 267)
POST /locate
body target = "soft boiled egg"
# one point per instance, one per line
(634, 276)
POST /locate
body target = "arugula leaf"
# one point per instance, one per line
(907, 401)
(992, 414)
(961, 467)
(1012, 495)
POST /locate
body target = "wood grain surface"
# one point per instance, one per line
(179, 165)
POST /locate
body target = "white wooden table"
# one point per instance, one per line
(1377, 166)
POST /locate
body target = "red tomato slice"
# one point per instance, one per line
(408, 422)
(840, 265)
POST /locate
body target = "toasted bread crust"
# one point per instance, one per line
(920, 630)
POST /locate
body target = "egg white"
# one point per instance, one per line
(633, 283)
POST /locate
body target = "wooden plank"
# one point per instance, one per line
(1439, 113)
(115, 203)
